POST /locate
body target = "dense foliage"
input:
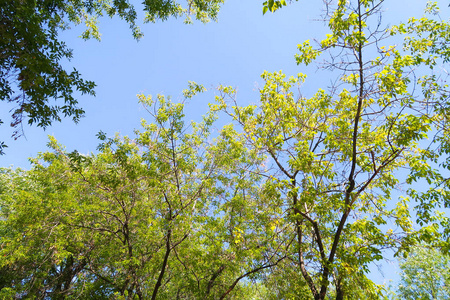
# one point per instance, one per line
(293, 199)
(163, 214)
(425, 274)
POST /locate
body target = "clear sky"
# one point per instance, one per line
(234, 51)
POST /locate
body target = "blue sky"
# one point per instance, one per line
(234, 51)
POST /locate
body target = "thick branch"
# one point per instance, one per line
(164, 265)
(351, 177)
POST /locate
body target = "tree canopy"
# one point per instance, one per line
(293, 197)
(424, 275)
